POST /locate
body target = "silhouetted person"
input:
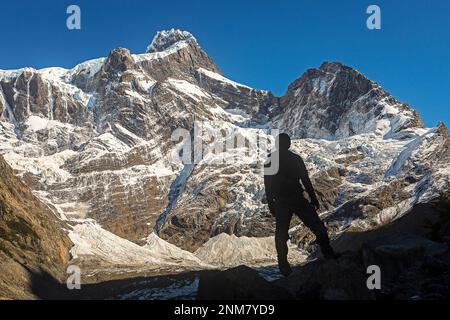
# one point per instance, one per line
(285, 197)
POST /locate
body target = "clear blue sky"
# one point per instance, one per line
(265, 44)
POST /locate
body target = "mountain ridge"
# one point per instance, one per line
(175, 40)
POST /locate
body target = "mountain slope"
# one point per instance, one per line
(32, 240)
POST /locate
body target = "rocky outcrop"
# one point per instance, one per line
(326, 184)
(32, 241)
(340, 279)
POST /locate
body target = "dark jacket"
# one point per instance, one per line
(285, 186)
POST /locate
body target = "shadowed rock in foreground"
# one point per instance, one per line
(412, 253)
(34, 249)
(240, 283)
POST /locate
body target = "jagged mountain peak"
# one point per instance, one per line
(119, 59)
(332, 66)
(442, 129)
(335, 101)
(331, 78)
(337, 71)
(336, 66)
(166, 38)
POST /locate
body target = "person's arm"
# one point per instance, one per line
(306, 181)
(269, 193)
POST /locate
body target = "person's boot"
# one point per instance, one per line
(284, 267)
(328, 252)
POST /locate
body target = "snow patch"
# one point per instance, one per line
(221, 78)
(156, 244)
(88, 69)
(36, 123)
(187, 88)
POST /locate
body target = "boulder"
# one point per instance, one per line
(340, 279)
(240, 283)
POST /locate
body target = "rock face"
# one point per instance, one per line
(102, 141)
(32, 241)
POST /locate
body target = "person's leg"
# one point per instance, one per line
(310, 218)
(283, 217)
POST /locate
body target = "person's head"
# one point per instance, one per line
(283, 142)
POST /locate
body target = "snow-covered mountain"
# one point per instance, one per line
(94, 144)
(335, 101)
